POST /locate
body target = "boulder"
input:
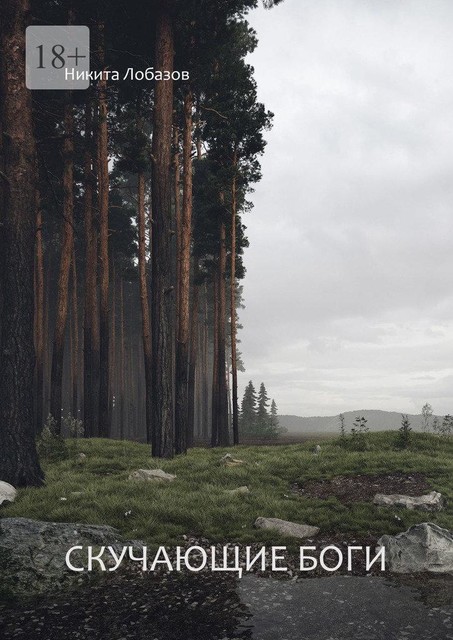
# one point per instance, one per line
(33, 553)
(151, 475)
(423, 547)
(239, 491)
(285, 528)
(430, 502)
(7, 492)
(229, 461)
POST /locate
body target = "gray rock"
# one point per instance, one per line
(423, 547)
(239, 491)
(7, 492)
(286, 528)
(430, 502)
(81, 458)
(229, 461)
(33, 553)
(151, 475)
(317, 450)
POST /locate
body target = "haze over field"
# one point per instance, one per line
(347, 299)
(377, 421)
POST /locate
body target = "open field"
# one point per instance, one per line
(196, 502)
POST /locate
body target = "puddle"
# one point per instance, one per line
(340, 608)
(214, 607)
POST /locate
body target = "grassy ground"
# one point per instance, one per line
(196, 502)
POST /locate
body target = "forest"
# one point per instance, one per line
(122, 228)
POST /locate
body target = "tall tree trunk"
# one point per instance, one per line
(234, 370)
(19, 463)
(205, 379)
(91, 326)
(193, 361)
(146, 324)
(162, 286)
(103, 186)
(182, 339)
(215, 366)
(56, 383)
(112, 362)
(177, 211)
(39, 319)
(47, 355)
(122, 367)
(75, 341)
(224, 438)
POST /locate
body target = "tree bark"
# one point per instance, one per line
(104, 330)
(215, 367)
(224, 438)
(162, 285)
(182, 339)
(91, 326)
(19, 463)
(193, 362)
(177, 210)
(234, 370)
(75, 341)
(56, 384)
(39, 319)
(122, 368)
(146, 324)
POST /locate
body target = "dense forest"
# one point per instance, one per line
(122, 232)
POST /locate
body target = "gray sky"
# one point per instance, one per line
(349, 285)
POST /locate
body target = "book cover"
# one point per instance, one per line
(225, 320)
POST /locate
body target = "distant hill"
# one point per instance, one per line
(377, 421)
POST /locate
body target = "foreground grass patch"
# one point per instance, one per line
(96, 490)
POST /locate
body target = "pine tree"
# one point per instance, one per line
(67, 250)
(161, 253)
(274, 421)
(19, 463)
(262, 414)
(248, 410)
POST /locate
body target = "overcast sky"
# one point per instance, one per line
(349, 285)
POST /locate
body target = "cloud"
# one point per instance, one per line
(350, 235)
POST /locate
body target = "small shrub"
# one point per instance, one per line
(73, 426)
(427, 414)
(343, 441)
(403, 438)
(436, 425)
(51, 446)
(358, 439)
(446, 428)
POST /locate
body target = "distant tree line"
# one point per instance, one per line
(258, 416)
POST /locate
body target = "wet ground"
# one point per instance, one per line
(344, 608)
(363, 488)
(216, 607)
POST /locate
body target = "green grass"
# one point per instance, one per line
(196, 502)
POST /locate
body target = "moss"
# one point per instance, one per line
(98, 492)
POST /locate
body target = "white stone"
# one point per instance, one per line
(285, 528)
(151, 475)
(229, 461)
(7, 492)
(239, 491)
(423, 547)
(430, 502)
